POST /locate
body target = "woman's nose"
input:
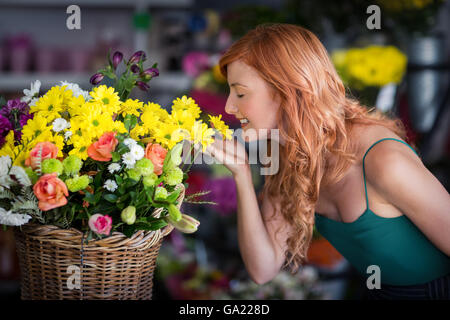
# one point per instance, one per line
(230, 108)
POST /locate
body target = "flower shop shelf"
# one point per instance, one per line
(169, 81)
(99, 3)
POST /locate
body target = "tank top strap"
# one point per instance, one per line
(364, 171)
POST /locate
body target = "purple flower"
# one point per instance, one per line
(223, 192)
(134, 68)
(137, 56)
(14, 106)
(5, 125)
(24, 118)
(153, 72)
(17, 135)
(142, 85)
(96, 79)
(117, 58)
(2, 141)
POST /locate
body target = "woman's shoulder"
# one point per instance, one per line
(367, 136)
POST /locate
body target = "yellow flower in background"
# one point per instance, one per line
(167, 135)
(131, 106)
(155, 110)
(370, 66)
(218, 124)
(107, 97)
(183, 118)
(218, 75)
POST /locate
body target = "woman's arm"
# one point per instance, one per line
(263, 253)
(403, 180)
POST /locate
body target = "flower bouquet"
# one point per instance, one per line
(93, 181)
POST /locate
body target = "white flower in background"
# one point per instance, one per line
(129, 142)
(32, 93)
(76, 90)
(137, 151)
(60, 124)
(110, 185)
(5, 164)
(113, 167)
(13, 219)
(129, 160)
(20, 175)
(67, 134)
(308, 274)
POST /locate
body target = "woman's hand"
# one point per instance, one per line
(230, 153)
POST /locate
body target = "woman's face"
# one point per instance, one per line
(251, 98)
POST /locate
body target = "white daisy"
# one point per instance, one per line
(129, 142)
(129, 160)
(67, 134)
(137, 151)
(110, 185)
(60, 124)
(113, 167)
(13, 219)
(32, 93)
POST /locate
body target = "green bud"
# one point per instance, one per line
(72, 165)
(186, 224)
(32, 175)
(173, 157)
(160, 193)
(144, 166)
(174, 213)
(77, 183)
(134, 174)
(128, 215)
(149, 181)
(52, 165)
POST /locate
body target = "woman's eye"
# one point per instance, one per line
(240, 95)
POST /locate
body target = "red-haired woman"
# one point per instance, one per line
(342, 167)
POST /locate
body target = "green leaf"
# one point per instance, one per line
(97, 197)
(98, 180)
(110, 197)
(129, 230)
(119, 179)
(89, 197)
(173, 196)
(115, 156)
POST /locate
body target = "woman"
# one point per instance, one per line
(281, 77)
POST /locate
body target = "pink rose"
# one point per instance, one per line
(50, 191)
(156, 154)
(102, 149)
(48, 150)
(100, 224)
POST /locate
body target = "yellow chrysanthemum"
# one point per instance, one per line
(108, 98)
(93, 119)
(76, 105)
(8, 147)
(182, 118)
(218, 124)
(188, 104)
(167, 135)
(131, 107)
(201, 133)
(36, 127)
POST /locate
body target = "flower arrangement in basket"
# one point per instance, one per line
(94, 180)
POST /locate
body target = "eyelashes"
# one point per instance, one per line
(240, 95)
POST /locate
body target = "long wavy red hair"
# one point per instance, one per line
(315, 118)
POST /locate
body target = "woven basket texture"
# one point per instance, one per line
(55, 264)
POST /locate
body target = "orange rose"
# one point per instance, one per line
(48, 150)
(101, 150)
(156, 154)
(50, 191)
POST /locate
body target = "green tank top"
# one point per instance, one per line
(402, 252)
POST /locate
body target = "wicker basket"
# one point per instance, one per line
(115, 267)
